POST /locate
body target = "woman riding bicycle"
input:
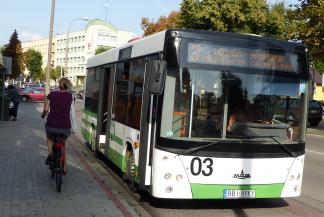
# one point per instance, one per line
(58, 104)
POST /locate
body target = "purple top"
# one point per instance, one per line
(60, 105)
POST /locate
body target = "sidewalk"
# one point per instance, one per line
(26, 188)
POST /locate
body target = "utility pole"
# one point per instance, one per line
(49, 57)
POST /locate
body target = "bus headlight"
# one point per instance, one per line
(165, 158)
(168, 189)
(298, 177)
(179, 177)
(167, 176)
(296, 188)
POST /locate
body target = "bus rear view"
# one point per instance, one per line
(231, 120)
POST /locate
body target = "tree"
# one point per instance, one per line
(249, 16)
(164, 22)
(34, 62)
(277, 21)
(227, 16)
(102, 49)
(56, 73)
(308, 19)
(14, 50)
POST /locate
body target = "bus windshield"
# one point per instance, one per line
(226, 89)
(227, 104)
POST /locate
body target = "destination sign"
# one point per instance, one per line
(214, 54)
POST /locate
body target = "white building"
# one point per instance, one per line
(81, 45)
(40, 46)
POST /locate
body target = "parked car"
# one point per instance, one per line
(32, 94)
(315, 111)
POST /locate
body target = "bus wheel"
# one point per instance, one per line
(129, 175)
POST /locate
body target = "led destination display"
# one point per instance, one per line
(214, 54)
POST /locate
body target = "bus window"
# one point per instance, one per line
(121, 95)
(135, 85)
(92, 90)
(128, 95)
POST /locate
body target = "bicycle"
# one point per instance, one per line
(57, 165)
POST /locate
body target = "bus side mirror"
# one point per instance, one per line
(156, 71)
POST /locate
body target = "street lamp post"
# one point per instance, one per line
(68, 39)
(49, 55)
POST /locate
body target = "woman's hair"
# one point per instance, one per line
(65, 84)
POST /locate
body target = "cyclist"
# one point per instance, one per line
(58, 104)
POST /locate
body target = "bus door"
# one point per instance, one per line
(148, 131)
(104, 110)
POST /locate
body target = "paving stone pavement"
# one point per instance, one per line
(26, 188)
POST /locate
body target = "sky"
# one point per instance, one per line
(31, 18)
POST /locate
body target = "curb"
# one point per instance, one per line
(114, 191)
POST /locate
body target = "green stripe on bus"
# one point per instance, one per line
(90, 113)
(116, 158)
(86, 134)
(88, 123)
(120, 161)
(201, 191)
(117, 139)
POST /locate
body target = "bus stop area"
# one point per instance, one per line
(27, 188)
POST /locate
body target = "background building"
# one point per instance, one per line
(81, 46)
(40, 46)
(318, 89)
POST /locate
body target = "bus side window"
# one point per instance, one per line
(135, 85)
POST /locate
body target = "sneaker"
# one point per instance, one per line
(14, 119)
(48, 160)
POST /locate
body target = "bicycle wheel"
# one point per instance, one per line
(58, 172)
(52, 168)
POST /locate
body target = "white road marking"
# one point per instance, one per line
(314, 152)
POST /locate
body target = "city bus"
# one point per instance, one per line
(191, 114)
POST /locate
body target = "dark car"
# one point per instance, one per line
(315, 111)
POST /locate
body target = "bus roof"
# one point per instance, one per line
(148, 45)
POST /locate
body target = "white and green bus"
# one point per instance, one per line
(201, 115)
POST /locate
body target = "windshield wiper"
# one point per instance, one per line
(195, 149)
(285, 148)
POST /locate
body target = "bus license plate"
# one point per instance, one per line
(239, 194)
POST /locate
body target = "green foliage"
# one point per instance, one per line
(14, 50)
(277, 21)
(308, 19)
(228, 16)
(164, 22)
(55, 73)
(34, 62)
(319, 65)
(102, 49)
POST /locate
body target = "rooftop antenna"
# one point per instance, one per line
(106, 11)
